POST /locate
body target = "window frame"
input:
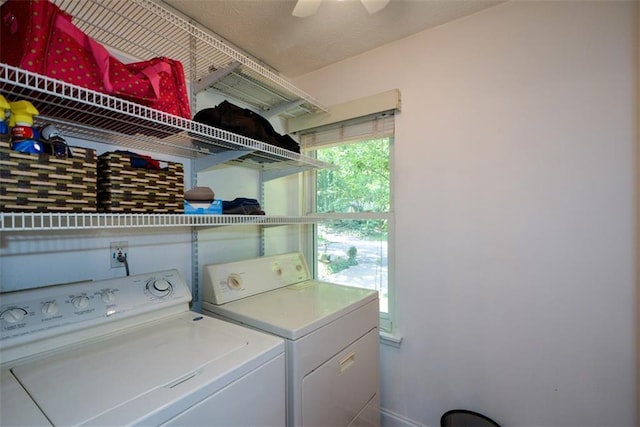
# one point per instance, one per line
(310, 241)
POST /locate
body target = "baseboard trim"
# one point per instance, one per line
(391, 419)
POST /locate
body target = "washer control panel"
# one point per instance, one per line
(227, 282)
(33, 313)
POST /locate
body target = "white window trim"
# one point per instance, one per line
(389, 101)
(309, 242)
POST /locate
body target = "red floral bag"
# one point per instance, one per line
(38, 36)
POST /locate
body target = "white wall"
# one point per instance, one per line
(515, 196)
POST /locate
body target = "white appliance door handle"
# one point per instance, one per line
(347, 361)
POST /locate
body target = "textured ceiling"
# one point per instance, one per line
(266, 30)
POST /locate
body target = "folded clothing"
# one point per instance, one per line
(200, 194)
(242, 206)
(141, 160)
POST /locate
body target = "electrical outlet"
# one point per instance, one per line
(117, 249)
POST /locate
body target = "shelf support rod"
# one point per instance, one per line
(269, 175)
(216, 76)
(283, 107)
(203, 163)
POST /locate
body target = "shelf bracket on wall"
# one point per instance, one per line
(275, 174)
(278, 109)
(203, 163)
(215, 77)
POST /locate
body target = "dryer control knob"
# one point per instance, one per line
(50, 308)
(13, 315)
(108, 296)
(80, 303)
(159, 287)
(234, 281)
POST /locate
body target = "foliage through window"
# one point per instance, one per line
(361, 182)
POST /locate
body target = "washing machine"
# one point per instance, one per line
(128, 351)
(330, 332)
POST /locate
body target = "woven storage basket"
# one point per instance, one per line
(122, 188)
(44, 183)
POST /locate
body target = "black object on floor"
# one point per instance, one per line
(466, 418)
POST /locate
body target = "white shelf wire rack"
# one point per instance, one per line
(31, 221)
(91, 115)
(147, 28)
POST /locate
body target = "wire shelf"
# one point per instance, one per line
(94, 116)
(146, 29)
(89, 221)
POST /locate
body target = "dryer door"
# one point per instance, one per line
(339, 389)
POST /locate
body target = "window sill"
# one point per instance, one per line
(392, 340)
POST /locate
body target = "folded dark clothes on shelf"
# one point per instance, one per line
(141, 160)
(241, 206)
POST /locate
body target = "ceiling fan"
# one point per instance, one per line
(306, 8)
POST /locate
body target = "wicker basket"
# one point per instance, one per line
(122, 188)
(44, 183)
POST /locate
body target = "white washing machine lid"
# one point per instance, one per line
(296, 310)
(145, 372)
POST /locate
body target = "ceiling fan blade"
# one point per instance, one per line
(374, 6)
(306, 8)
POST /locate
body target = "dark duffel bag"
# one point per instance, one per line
(244, 122)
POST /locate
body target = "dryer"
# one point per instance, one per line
(330, 331)
(128, 351)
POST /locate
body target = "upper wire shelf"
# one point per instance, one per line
(147, 28)
(91, 115)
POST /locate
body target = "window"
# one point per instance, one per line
(352, 247)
